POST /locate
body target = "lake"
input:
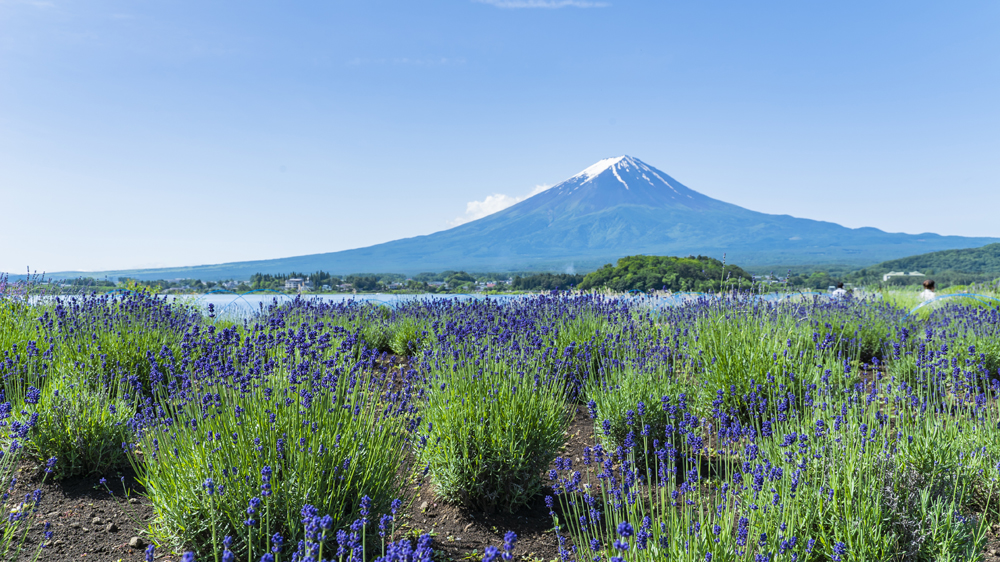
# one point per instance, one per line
(226, 304)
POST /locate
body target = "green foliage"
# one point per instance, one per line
(951, 536)
(490, 434)
(632, 400)
(363, 282)
(17, 325)
(377, 335)
(819, 280)
(459, 278)
(745, 349)
(407, 335)
(582, 328)
(985, 259)
(654, 273)
(329, 452)
(85, 429)
(546, 282)
(385, 332)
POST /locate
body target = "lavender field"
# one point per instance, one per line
(723, 428)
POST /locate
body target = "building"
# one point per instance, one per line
(297, 284)
(901, 274)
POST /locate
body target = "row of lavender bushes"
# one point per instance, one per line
(735, 422)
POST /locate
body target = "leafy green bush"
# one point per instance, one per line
(273, 447)
(490, 433)
(407, 335)
(402, 336)
(632, 400)
(377, 335)
(85, 429)
(737, 349)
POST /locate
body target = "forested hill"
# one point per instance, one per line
(655, 273)
(985, 259)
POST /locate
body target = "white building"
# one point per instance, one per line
(297, 284)
(901, 274)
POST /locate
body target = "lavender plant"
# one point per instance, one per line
(251, 436)
(85, 428)
(818, 471)
(491, 424)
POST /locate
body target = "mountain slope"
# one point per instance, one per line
(617, 207)
(984, 260)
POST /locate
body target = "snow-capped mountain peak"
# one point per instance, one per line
(628, 180)
(599, 167)
(622, 168)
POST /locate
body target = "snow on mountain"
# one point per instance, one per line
(599, 167)
(623, 180)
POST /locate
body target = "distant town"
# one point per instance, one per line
(322, 282)
(949, 268)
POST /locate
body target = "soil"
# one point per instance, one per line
(87, 521)
(992, 550)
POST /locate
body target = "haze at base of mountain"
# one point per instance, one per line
(617, 207)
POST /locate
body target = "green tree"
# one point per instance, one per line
(653, 273)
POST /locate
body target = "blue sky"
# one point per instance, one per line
(167, 133)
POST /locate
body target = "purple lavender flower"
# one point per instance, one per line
(509, 540)
(32, 396)
(277, 541)
(491, 554)
(839, 550)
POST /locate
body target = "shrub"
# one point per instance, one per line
(407, 335)
(741, 347)
(85, 429)
(637, 400)
(271, 443)
(491, 432)
(377, 335)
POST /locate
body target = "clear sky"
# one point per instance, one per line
(174, 132)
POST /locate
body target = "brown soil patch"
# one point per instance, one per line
(87, 522)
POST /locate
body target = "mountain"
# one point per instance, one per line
(984, 260)
(617, 207)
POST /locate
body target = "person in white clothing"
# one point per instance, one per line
(928, 292)
(839, 292)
